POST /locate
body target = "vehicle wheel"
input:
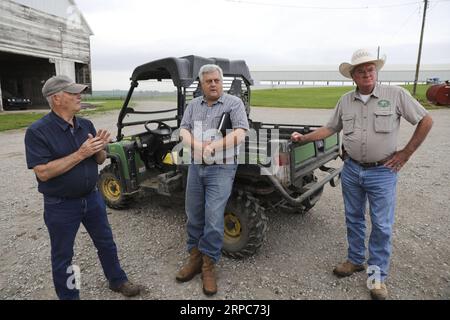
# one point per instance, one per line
(111, 188)
(245, 226)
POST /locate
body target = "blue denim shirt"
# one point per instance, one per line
(52, 138)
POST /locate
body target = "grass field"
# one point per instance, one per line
(18, 120)
(317, 97)
(102, 105)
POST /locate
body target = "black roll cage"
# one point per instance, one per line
(183, 72)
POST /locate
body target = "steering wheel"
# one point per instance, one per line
(162, 130)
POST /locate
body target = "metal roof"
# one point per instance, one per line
(184, 70)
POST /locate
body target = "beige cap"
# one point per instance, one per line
(61, 83)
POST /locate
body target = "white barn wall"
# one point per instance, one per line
(28, 31)
(39, 38)
(56, 7)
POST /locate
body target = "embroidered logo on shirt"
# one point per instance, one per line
(384, 103)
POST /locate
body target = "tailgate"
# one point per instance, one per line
(304, 157)
(308, 156)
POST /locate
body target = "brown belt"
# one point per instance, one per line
(371, 164)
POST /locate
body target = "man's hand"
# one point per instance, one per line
(91, 146)
(208, 153)
(398, 160)
(401, 157)
(297, 137)
(104, 135)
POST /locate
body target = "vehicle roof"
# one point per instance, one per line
(184, 70)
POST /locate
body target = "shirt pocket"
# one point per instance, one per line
(348, 123)
(215, 121)
(197, 118)
(384, 121)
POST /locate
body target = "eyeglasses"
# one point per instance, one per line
(211, 81)
(361, 72)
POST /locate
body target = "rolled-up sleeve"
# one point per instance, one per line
(186, 122)
(37, 150)
(335, 121)
(238, 115)
(409, 108)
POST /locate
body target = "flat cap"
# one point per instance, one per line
(61, 83)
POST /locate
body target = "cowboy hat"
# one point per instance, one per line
(359, 57)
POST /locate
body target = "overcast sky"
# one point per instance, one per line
(262, 32)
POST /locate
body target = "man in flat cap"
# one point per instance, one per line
(64, 151)
(370, 119)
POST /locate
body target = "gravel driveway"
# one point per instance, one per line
(295, 262)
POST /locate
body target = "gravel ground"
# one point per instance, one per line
(295, 261)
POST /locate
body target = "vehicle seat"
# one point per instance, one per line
(198, 92)
(236, 88)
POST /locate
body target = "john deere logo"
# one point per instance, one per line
(384, 103)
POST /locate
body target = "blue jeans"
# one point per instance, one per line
(63, 217)
(207, 192)
(378, 185)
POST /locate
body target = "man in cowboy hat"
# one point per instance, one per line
(64, 152)
(370, 118)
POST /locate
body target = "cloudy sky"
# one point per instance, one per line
(262, 32)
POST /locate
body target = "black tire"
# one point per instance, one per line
(111, 188)
(245, 226)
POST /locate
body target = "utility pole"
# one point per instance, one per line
(1, 103)
(420, 47)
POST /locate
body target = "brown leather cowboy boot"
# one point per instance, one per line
(193, 267)
(128, 289)
(379, 292)
(208, 276)
(347, 268)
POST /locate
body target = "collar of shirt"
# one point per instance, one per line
(375, 93)
(63, 124)
(220, 100)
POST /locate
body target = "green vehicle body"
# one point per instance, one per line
(274, 173)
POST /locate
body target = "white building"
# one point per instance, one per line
(316, 75)
(38, 39)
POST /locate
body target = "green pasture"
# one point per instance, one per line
(315, 97)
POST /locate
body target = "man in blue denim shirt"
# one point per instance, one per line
(211, 175)
(370, 120)
(64, 151)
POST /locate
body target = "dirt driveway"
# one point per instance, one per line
(295, 261)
